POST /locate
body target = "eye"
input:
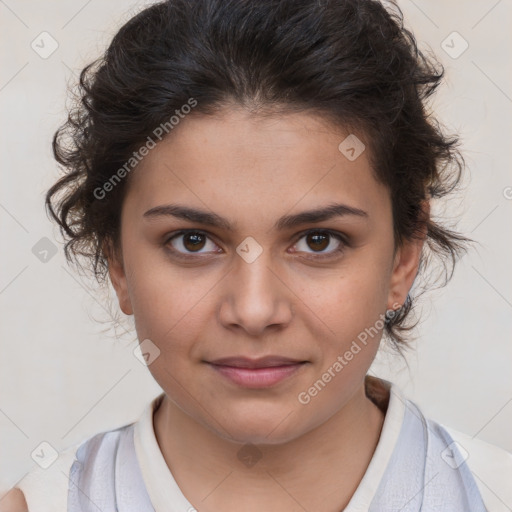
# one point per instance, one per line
(319, 241)
(190, 242)
(187, 243)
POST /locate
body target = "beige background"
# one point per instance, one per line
(63, 379)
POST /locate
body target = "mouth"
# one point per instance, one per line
(257, 373)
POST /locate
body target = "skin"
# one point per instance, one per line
(13, 501)
(288, 302)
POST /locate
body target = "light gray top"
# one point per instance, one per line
(416, 466)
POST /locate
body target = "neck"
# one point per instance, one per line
(287, 476)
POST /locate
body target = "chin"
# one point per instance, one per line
(259, 428)
(259, 437)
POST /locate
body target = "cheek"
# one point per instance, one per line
(165, 309)
(158, 297)
(346, 310)
(174, 309)
(349, 299)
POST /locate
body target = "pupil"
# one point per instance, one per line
(318, 240)
(194, 239)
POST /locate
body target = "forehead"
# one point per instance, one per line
(260, 165)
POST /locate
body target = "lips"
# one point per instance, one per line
(259, 373)
(262, 362)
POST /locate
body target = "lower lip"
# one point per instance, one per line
(257, 377)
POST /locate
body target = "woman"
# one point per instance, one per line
(255, 179)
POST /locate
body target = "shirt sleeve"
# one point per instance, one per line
(491, 467)
(46, 490)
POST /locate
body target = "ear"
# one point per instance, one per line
(406, 263)
(118, 277)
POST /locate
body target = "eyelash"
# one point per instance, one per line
(318, 256)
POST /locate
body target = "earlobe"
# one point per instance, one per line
(118, 279)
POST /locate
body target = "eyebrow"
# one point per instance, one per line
(286, 222)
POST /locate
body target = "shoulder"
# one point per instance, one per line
(45, 488)
(13, 501)
(481, 471)
(490, 465)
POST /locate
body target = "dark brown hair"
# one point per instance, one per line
(350, 61)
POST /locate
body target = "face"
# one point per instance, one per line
(220, 259)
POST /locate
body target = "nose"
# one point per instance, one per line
(256, 297)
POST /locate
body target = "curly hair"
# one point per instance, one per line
(350, 61)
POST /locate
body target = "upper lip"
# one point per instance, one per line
(262, 362)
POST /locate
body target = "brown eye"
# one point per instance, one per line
(193, 241)
(190, 242)
(319, 242)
